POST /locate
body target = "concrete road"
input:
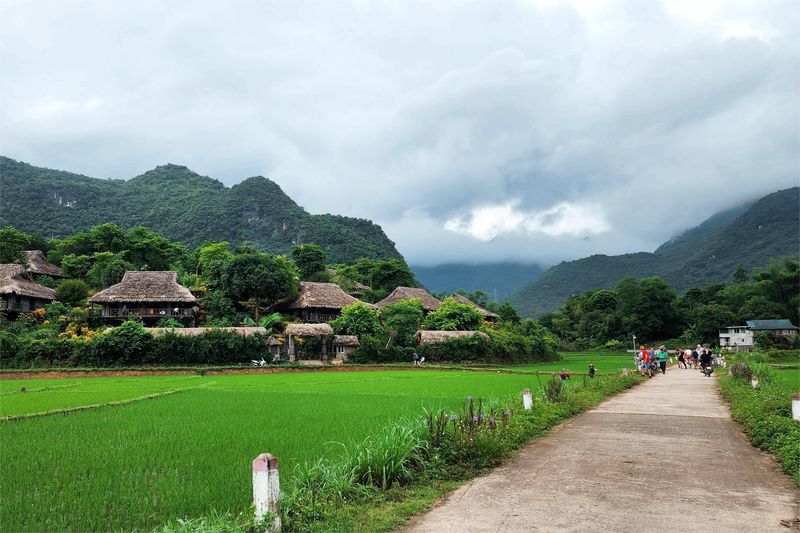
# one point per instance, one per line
(664, 456)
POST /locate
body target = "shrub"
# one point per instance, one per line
(741, 371)
(72, 292)
(128, 344)
(554, 390)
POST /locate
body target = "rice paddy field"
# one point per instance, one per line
(137, 465)
(579, 362)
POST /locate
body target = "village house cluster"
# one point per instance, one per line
(151, 296)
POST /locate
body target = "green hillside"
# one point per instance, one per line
(497, 279)
(750, 235)
(182, 205)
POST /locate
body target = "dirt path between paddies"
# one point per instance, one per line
(664, 456)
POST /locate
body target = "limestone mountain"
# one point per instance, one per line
(749, 235)
(182, 205)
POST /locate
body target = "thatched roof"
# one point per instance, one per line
(143, 286)
(38, 264)
(309, 330)
(274, 341)
(429, 303)
(14, 280)
(487, 315)
(346, 340)
(320, 295)
(433, 337)
(193, 332)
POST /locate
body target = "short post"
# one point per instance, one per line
(527, 399)
(796, 406)
(625, 371)
(266, 489)
(754, 381)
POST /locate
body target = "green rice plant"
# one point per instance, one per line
(388, 457)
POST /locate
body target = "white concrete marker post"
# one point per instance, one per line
(796, 406)
(527, 399)
(267, 489)
(625, 371)
(754, 381)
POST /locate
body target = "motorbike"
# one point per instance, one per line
(708, 369)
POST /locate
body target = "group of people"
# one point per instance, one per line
(656, 359)
(653, 359)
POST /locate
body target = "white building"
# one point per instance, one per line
(743, 337)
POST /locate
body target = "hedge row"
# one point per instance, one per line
(502, 347)
(129, 345)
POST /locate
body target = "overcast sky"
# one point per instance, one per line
(471, 131)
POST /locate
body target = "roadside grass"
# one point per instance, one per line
(139, 465)
(765, 413)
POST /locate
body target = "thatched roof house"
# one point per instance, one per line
(148, 295)
(308, 330)
(318, 302)
(487, 315)
(193, 332)
(429, 303)
(144, 286)
(19, 293)
(346, 340)
(434, 337)
(39, 265)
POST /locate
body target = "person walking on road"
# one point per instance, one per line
(646, 363)
(662, 359)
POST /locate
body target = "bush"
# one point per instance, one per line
(740, 371)
(72, 292)
(554, 390)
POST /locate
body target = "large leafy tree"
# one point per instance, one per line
(310, 260)
(357, 319)
(708, 319)
(262, 279)
(401, 320)
(759, 308)
(150, 251)
(13, 244)
(72, 292)
(107, 269)
(454, 316)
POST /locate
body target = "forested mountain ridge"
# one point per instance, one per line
(182, 205)
(749, 235)
(497, 279)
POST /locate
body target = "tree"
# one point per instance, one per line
(740, 274)
(454, 316)
(357, 319)
(401, 320)
(107, 269)
(75, 266)
(72, 292)
(760, 308)
(148, 250)
(310, 260)
(219, 308)
(390, 274)
(262, 279)
(708, 319)
(508, 313)
(13, 244)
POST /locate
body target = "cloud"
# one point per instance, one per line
(487, 222)
(534, 130)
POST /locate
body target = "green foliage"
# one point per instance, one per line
(508, 313)
(453, 316)
(708, 319)
(107, 269)
(764, 340)
(310, 260)
(401, 320)
(765, 414)
(554, 390)
(13, 244)
(261, 278)
(255, 210)
(270, 322)
(760, 308)
(357, 319)
(72, 292)
(218, 307)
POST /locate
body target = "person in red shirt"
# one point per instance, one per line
(647, 363)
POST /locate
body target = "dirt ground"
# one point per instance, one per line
(664, 456)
